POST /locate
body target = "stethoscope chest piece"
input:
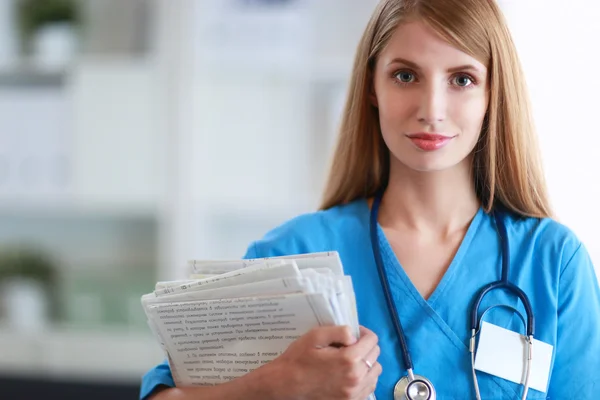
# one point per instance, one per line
(419, 388)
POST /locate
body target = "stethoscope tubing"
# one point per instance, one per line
(503, 283)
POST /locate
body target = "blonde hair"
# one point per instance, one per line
(507, 167)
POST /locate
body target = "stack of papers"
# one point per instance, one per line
(231, 317)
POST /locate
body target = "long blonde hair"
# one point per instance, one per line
(507, 167)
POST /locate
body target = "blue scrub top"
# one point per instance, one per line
(548, 263)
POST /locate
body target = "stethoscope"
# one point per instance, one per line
(417, 387)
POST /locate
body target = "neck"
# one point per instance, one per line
(435, 203)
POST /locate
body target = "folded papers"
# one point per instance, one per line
(233, 316)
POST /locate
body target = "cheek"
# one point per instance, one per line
(469, 113)
(394, 108)
(392, 103)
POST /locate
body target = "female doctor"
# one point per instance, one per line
(435, 191)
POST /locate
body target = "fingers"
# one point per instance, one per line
(367, 342)
(330, 362)
(340, 346)
(355, 360)
(369, 383)
(363, 331)
(371, 358)
(333, 353)
(325, 336)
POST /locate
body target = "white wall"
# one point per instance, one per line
(559, 46)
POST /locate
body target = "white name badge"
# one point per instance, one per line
(503, 353)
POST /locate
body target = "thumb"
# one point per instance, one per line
(334, 335)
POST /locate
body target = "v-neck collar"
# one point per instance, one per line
(430, 307)
(438, 299)
(450, 273)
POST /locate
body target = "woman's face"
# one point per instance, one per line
(431, 98)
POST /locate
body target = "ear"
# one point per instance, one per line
(372, 92)
(373, 97)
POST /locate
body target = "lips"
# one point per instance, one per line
(429, 141)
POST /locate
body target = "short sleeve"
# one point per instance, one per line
(251, 252)
(160, 375)
(576, 372)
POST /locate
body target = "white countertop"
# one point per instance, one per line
(106, 355)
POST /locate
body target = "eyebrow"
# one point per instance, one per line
(466, 67)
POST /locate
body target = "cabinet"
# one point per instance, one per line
(85, 141)
(83, 164)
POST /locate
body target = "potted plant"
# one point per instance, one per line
(27, 287)
(48, 31)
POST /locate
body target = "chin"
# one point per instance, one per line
(429, 167)
(428, 162)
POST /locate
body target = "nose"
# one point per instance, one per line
(433, 104)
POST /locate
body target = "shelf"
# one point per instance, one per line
(72, 210)
(31, 78)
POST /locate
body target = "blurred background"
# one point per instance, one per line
(138, 134)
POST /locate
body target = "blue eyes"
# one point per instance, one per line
(463, 80)
(460, 80)
(405, 77)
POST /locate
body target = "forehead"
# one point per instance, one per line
(417, 42)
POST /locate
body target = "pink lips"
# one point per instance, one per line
(429, 141)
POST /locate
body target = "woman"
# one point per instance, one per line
(437, 138)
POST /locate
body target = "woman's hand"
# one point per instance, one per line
(325, 363)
